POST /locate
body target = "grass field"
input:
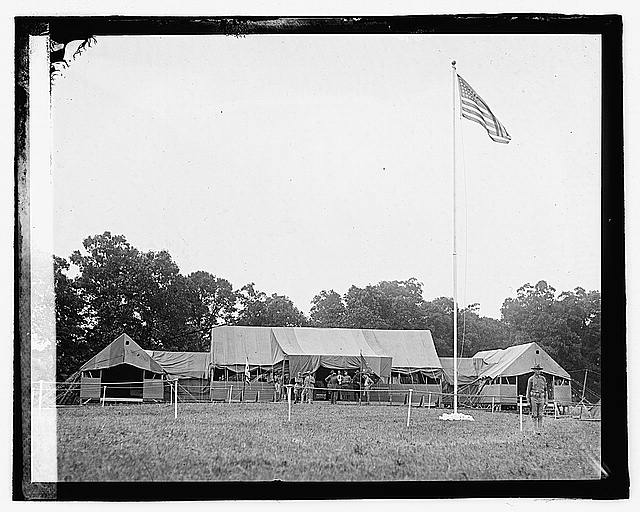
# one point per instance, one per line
(322, 442)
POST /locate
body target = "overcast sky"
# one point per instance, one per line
(305, 163)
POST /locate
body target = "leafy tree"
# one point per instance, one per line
(125, 290)
(256, 308)
(386, 305)
(71, 349)
(366, 308)
(566, 325)
(439, 320)
(210, 301)
(328, 310)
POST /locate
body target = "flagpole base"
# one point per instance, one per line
(455, 416)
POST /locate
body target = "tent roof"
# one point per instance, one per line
(468, 369)
(518, 360)
(192, 365)
(265, 346)
(234, 345)
(409, 349)
(122, 350)
(325, 341)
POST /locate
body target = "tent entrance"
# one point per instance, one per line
(522, 383)
(322, 373)
(123, 381)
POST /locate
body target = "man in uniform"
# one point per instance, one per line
(332, 385)
(307, 392)
(537, 396)
(277, 386)
(367, 383)
(297, 387)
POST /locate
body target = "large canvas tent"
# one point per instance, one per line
(309, 348)
(122, 370)
(302, 348)
(501, 375)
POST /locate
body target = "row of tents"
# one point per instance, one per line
(398, 359)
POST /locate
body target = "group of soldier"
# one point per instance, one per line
(303, 385)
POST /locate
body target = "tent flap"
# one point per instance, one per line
(191, 365)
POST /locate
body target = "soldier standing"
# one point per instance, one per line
(307, 392)
(367, 386)
(537, 396)
(297, 387)
(276, 388)
(332, 385)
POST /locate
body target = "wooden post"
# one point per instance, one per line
(493, 404)
(429, 400)
(409, 409)
(230, 393)
(175, 403)
(520, 413)
(104, 395)
(289, 400)
(40, 396)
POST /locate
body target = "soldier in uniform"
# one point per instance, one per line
(367, 386)
(332, 385)
(297, 387)
(537, 396)
(277, 387)
(307, 391)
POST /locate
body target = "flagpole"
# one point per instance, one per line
(454, 254)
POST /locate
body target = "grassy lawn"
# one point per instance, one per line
(322, 442)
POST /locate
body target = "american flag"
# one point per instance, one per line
(474, 108)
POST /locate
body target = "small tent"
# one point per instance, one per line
(501, 375)
(122, 371)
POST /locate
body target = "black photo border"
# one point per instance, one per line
(614, 364)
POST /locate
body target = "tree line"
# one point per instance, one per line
(113, 288)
